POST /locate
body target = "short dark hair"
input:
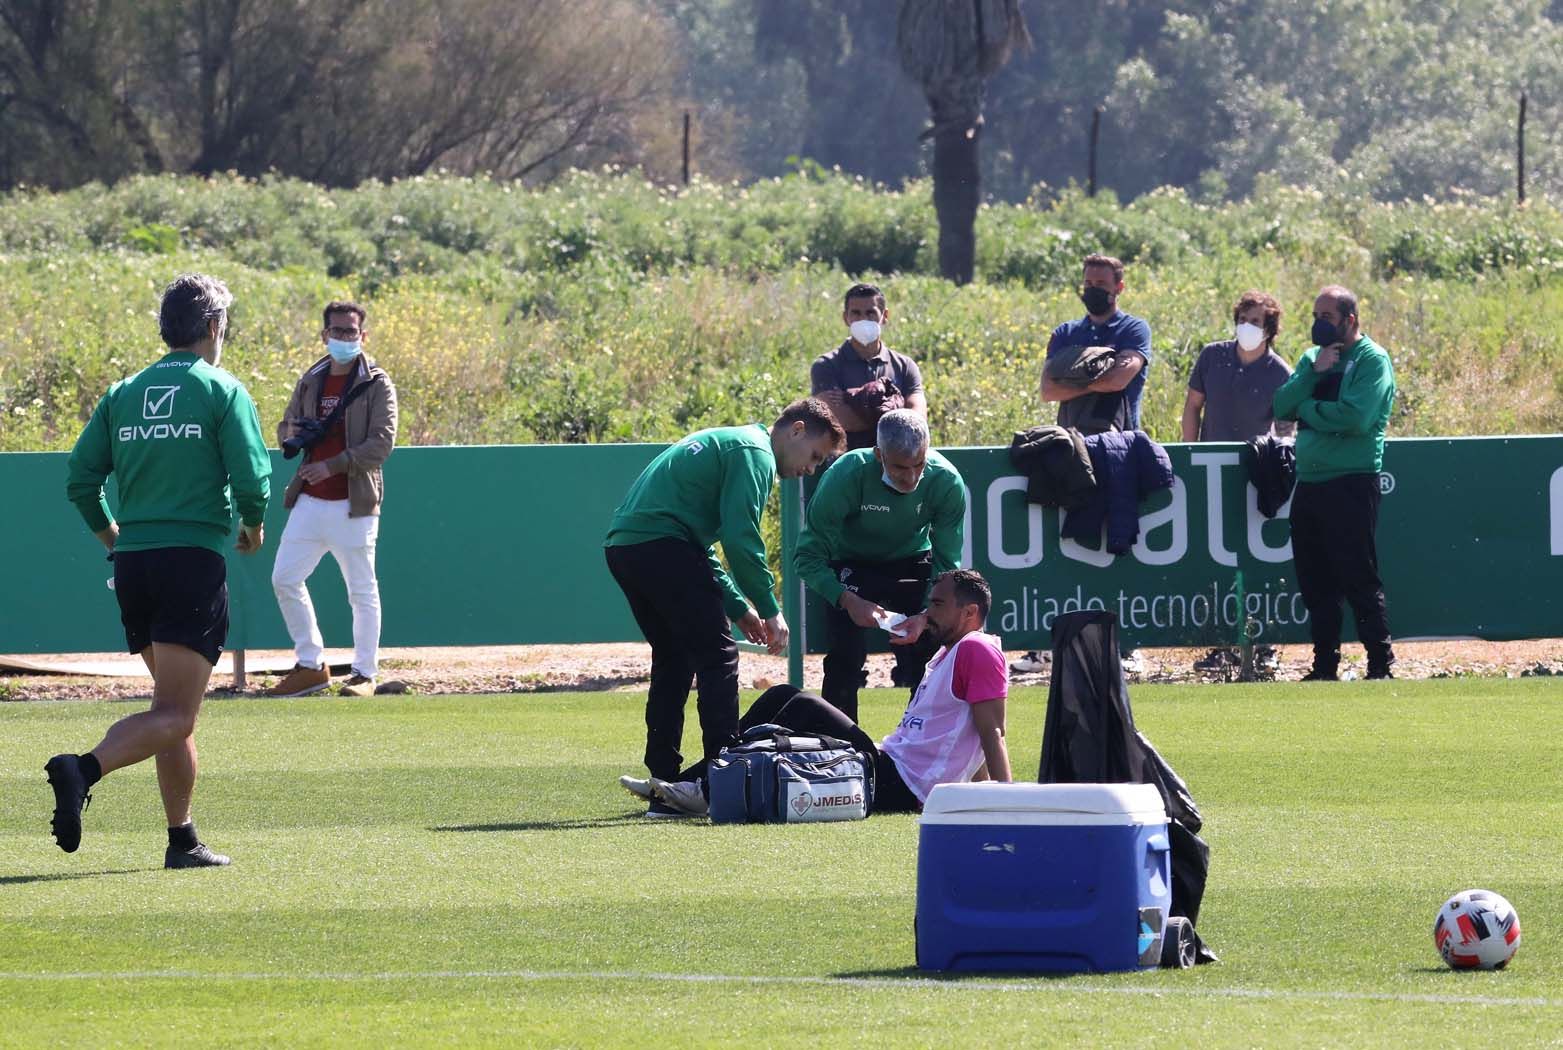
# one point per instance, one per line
(342, 306)
(970, 589)
(817, 420)
(1345, 299)
(864, 291)
(1268, 303)
(190, 301)
(1098, 259)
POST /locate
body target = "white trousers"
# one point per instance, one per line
(315, 527)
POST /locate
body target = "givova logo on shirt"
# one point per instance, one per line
(157, 402)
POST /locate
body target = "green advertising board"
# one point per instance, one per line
(481, 545)
(1470, 544)
(502, 545)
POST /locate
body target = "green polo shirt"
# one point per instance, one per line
(184, 441)
(710, 486)
(854, 516)
(1343, 433)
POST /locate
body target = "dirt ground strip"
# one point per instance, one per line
(624, 668)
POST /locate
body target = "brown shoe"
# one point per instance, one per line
(357, 685)
(301, 681)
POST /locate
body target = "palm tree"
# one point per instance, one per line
(951, 47)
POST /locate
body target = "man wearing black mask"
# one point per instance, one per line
(1340, 395)
(1110, 400)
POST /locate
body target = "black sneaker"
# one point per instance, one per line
(1216, 660)
(70, 798)
(200, 857)
(1320, 675)
(1378, 672)
(663, 811)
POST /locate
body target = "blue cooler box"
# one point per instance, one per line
(1050, 877)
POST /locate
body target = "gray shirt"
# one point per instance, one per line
(1238, 397)
(843, 369)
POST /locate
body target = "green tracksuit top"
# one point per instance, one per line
(1344, 435)
(184, 440)
(710, 486)
(854, 516)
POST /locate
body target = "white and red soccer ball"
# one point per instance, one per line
(1477, 930)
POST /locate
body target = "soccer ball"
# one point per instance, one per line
(1477, 930)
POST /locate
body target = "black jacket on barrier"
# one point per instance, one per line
(1089, 738)
(1272, 468)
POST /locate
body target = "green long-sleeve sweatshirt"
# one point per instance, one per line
(854, 516)
(184, 440)
(1343, 434)
(710, 486)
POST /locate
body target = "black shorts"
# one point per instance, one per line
(177, 595)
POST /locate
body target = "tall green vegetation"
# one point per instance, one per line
(603, 308)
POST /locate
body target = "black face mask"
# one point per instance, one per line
(1097, 300)
(1324, 333)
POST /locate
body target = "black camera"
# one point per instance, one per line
(306, 434)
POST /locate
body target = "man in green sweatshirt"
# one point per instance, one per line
(711, 486)
(183, 438)
(881, 525)
(1340, 395)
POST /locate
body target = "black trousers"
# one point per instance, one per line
(678, 606)
(1332, 545)
(900, 586)
(805, 713)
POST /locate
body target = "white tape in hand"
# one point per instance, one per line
(889, 621)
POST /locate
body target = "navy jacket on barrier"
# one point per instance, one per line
(1128, 466)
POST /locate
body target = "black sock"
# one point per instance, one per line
(183, 838)
(91, 770)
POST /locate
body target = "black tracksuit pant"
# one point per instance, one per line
(803, 714)
(1332, 546)
(679, 608)
(900, 586)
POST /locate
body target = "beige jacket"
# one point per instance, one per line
(371, 432)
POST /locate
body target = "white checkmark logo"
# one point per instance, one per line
(159, 402)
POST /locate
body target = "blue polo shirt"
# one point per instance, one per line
(1093, 413)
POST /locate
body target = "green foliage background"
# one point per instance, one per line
(604, 308)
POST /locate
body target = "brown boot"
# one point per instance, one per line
(301, 681)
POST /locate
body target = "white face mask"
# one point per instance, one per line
(1250, 336)
(866, 332)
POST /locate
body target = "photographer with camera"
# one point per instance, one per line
(862, 379)
(342, 420)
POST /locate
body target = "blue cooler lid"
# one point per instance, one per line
(988, 802)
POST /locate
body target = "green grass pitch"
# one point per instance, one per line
(465, 871)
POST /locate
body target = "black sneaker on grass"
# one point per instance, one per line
(663, 811)
(1318, 675)
(200, 857)
(70, 798)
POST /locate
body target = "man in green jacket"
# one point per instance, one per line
(882, 524)
(711, 486)
(1340, 395)
(183, 438)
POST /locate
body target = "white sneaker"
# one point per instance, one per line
(1133, 663)
(684, 796)
(1032, 663)
(641, 789)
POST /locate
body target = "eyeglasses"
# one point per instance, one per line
(344, 333)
